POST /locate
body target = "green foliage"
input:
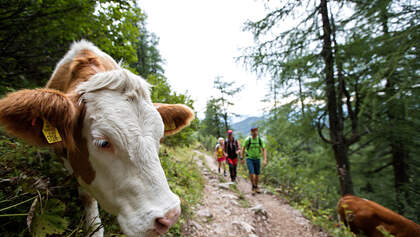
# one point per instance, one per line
(218, 114)
(226, 90)
(212, 123)
(208, 141)
(49, 218)
(149, 59)
(36, 34)
(28, 174)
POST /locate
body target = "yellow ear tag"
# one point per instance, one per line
(51, 133)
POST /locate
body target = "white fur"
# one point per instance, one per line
(129, 181)
(92, 214)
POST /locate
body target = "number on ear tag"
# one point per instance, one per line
(51, 133)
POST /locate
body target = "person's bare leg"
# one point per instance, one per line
(252, 179)
(256, 180)
(256, 184)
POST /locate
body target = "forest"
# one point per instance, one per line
(349, 73)
(344, 95)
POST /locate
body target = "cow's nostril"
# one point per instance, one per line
(162, 225)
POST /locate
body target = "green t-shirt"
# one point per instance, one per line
(254, 150)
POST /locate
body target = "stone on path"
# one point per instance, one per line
(204, 213)
(259, 209)
(243, 225)
(225, 185)
(196, 225)
(229, 196)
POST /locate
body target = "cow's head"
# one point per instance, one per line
(111, 131)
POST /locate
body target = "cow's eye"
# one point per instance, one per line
(102, 143)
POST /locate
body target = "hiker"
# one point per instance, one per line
(254, 146)
(232, 150)
(219, 152)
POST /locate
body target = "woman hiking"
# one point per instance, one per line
(232, 150)
(219, 152)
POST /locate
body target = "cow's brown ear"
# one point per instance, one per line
(175, 117)
(41, 116)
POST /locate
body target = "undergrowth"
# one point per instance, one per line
(312, 194)
(185, 180)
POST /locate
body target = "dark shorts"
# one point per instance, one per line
(253, 165)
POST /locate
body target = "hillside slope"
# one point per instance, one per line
(245, 125)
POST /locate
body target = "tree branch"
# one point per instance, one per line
(320, 127)
(380, 168)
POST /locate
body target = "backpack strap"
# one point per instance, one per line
(249, 142)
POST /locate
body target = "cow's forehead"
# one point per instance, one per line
(119, 80)
(113, 115)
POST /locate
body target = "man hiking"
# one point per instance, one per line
(219, 152)
(232, 150)
(255, 149)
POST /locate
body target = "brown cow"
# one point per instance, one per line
(368, 216)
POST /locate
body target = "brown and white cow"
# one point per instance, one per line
(103, 117)
(368, 216)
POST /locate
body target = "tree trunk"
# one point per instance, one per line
(399, 163)
(301, 97)
(338, 140)
(395, 115)
(225, 118)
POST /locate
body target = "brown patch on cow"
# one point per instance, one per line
(367, 216)
(82, 67)
(175, 117)
(79, 157)
(22, 114)
(86, 199)
(59, 79)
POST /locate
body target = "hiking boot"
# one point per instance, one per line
(224, 173)
(257, 190)
(219, 170)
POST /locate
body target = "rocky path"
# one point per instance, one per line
(230, 209)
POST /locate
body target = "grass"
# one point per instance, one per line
(185, 180)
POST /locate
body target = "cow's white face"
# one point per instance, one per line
(123, 129)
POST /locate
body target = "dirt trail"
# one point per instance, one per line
(229, 211)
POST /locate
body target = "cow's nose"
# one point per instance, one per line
(162, 224)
